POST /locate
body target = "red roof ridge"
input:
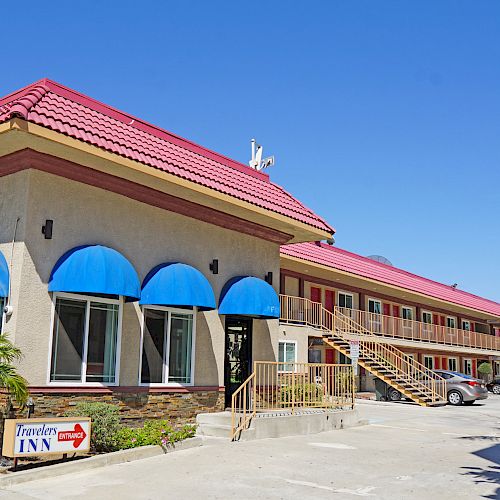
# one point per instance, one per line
(20, 102)
(126, 118)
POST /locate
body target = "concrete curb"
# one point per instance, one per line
(117, 457)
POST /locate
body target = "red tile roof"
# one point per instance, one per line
(336, 258)
(56, 107)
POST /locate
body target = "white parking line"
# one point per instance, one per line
(360, 492)
(338, 446)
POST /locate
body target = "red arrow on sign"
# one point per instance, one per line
(77, 436)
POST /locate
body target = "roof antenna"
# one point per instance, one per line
(257, 163)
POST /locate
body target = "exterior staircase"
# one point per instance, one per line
(393, 366)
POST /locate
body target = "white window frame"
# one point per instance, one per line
(407, 308)
(3, 301)
(455, 359)
(431, 315)
(375, 319)
(464, 362)
(466, 322)
(347, 294)
(88, 299)
(165, 370)
(454, 322)
(426, 356)
(286, 341)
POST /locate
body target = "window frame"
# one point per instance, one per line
(371, 299)
(454, 319)
(286, 341)
(87, 299)
(427, 356)
(430, 314)
(455, 359)
(464, 361)
(346, 294)
(3, 301)
(169, 310)
(407, 308)
(464, 322)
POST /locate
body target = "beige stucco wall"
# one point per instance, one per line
(145, 235)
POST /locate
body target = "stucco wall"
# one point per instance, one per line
(145, 235)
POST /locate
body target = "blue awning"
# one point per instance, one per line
(177, 284)
(95, 269)
(4, 277)
(249, 296)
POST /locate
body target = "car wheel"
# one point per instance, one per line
(496, 389)
(469, 403)
(394, 395)
(455, 398)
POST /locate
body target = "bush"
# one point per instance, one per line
(154, 432)
(485, 368)
(105, 424)
(304, 393)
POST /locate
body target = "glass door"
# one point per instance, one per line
(238, 361)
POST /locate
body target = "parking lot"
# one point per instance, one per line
(405, 451)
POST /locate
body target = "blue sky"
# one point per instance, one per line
(384, 116)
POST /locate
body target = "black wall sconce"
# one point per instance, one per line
(214, 266)
(47, 229)
(269, 278)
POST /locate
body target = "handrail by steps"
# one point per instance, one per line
(298, 310)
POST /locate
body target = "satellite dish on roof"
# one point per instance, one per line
(381, 259)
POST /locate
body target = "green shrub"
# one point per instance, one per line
(304, 393)
(485, 368)
(105, 424)
(154, 432)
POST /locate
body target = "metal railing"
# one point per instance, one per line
(296, 310)
(409, 372)
(291, 387)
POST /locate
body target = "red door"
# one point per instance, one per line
(315, 294)
(437, 362)
(386, 309)
(330, 356)
(329, 299)
(443, 321)
(395, 311)
(474, 367)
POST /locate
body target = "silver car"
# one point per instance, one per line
(463, 388)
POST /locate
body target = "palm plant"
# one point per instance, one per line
(16, 385)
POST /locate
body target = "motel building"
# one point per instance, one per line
(141, 269)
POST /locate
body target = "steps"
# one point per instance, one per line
(386, 362)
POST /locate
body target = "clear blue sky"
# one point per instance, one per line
(384, 116)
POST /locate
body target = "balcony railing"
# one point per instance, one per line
(296, 310)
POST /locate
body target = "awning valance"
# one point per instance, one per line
(95, 269)
(177, 284)
(249, 296)
(4, 277)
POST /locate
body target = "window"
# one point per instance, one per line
(167, 347)
(287, 353)
(451, 322)
(345, 300)
(466, 325)
(2, 305)
(407, 313)
(452, 364)
(314, 356)
(85, 340)
(429, 362)
(468, 366)
(374, 306)
(427, 317)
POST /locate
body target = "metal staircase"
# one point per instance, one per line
(393, 366)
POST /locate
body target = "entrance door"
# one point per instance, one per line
(237, 365)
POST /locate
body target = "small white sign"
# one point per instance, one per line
(40, 436)
(354, 354)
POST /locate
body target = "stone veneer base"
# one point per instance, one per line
(135, 406)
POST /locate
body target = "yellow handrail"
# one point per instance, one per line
(298, 310)
(290, 387)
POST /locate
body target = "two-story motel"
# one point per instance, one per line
(142, 269)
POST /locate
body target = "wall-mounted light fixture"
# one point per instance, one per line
(214, 266)
(269, 278)
(47, 229)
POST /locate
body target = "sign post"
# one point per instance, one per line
(46, 436)
(354, 354)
